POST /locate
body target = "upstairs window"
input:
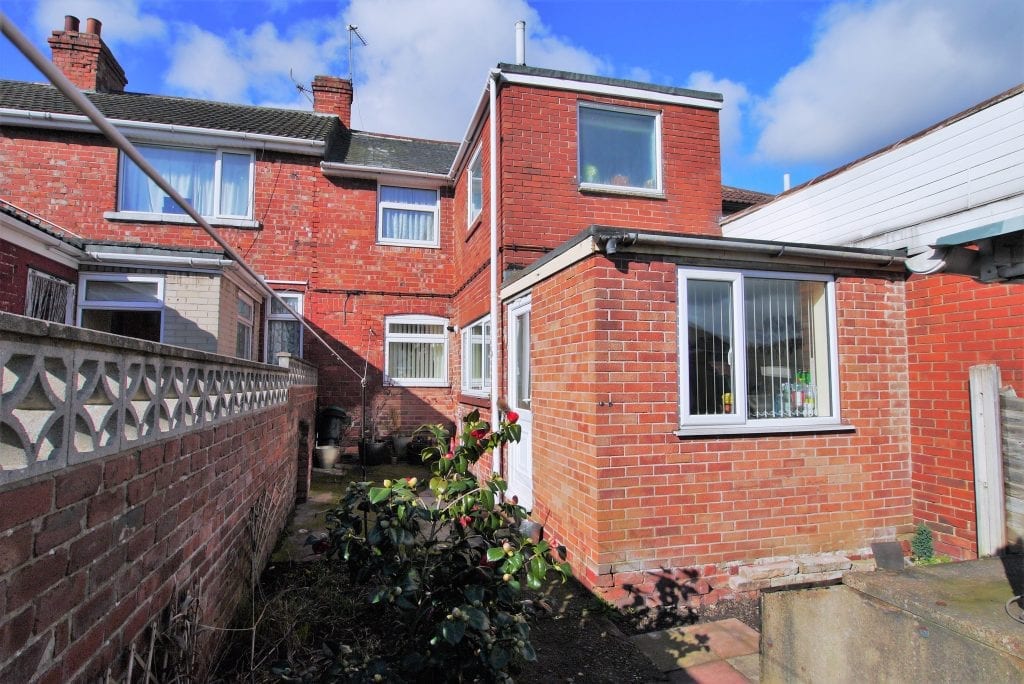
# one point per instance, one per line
(760, 349)
(218, 183)
(49, 298)
(416, 351)
(476, 357)
(407, 216)
(284, 331)
(619, 149)
(475, 181)
(122, 304)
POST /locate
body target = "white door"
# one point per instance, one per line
(520, 457)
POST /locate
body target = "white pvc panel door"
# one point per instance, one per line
(520, 457)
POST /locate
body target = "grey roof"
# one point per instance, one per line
(391, 152)
(601, 80)
(42, 225)
(179, 111)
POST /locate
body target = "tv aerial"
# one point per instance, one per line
(353, 30)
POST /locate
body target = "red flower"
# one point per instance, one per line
(449, 455)
(479, 433)
(515, 500)
(465, 520)
(512, 416)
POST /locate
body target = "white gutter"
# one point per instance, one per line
(339, 170)
(39, 242)
(123, 259)
(609, 90)
(162, 133)
(492, 96)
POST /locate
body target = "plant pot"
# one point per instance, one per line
(379, 451)
(327, 456)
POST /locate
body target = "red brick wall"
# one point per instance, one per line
(90, 555)
(15, 262)
(954, 323)
(625, 495)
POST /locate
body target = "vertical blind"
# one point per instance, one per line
(416, 351)
(709, 305)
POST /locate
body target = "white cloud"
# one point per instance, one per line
(879, 71)
(426, 61)
(123, 21)
(250, 66)
(736, 98)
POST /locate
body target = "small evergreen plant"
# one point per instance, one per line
(922, 546)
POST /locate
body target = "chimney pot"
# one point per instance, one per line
(70, 22)
(93, 26)
(85, 59)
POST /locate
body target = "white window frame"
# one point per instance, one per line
(435, 241)
(477, 387)
(472, 216)
(180, 216)
(249, 323)
(114, 305)
(659, 188)
(70, 296)
(441, 338)
(296, 301)
(738, 422)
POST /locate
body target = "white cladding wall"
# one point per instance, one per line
(962, 175)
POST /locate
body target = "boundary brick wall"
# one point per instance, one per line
(629, 498)
(92, 554)
(954, 323)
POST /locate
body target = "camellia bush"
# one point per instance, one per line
(445, 566)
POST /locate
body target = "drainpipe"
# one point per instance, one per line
(492, 88)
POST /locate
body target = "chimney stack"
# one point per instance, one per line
(333, 95)
(85, 59)
(521, 42)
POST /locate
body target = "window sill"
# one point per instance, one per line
(708, 431)
(416, 245)
(390, 382)
(597, 189)
(480, 401)
(181, 219)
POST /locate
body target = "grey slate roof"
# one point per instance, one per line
(42, 226)
(601, 80)
(391, 152)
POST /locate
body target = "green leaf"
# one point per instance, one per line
(499, 658)
(487, 499)
(543, 547)
(477, 619)
(495, 554)
(533, 582)
(565, 569)
(515, 431)
(453, 631)
(378, 494)
(538, 567)
(528, 653)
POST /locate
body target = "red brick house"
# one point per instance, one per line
(693, 406)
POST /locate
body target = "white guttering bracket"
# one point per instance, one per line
(139, 131)
(610, 90)
(385, 175)
(39, 242)
(559, 262)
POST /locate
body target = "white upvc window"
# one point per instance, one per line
(475, 187)
(476, 357)
(244, 319)
(759, 350)
(407, 216)
(284, 331)
(619, 149)
(123, 304)
(416, 351)
(49, 298)
(218, 183)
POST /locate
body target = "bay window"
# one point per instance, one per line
(416, 351)
(218, 183)
(759, 349)
(407, 216)
(619, 149)
(476, 357)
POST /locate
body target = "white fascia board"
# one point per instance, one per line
(38, 242)
(560, 262)
(609, 90)
(139, 131)
(385, 176)
(469, 140)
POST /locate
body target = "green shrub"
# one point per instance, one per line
(446, 575)
(922, 547)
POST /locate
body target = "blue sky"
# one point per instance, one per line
(809, 84)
